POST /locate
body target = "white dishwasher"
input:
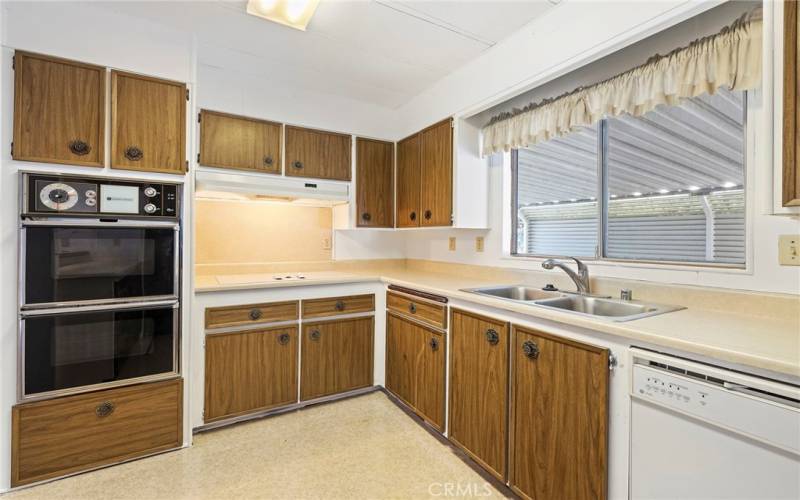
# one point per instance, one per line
(702, 432)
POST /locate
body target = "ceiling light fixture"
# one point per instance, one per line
(293, 13)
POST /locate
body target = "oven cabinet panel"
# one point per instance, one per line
(337, 356)
(148, 123)
(250, 371)
(59, 110)
(559, 417)
(61, 436)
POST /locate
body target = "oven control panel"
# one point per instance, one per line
(72, 195)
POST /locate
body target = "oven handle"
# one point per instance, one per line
(100, 223)
(174, 304)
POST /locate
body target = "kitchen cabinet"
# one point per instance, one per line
(59, 110)
(428, 312)
(791, 119)
(249, 314)
(249, 371)
(334, 306)
(317, 154)
(75, 433)
(239, 142)
(148, 123)
(337, 356)
(415, 367)
(374, 183)
(479, 388)
(425, 177)
(559, 417)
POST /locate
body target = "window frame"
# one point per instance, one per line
(601, 252)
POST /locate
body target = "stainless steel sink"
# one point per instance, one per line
(515, 292)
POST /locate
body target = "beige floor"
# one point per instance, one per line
(363, 447)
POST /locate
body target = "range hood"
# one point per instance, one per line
(268, 187)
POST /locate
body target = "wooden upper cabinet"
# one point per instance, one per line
(238, 142)
(318, 154)
(436, 167)
(59, 110)
(148, 123)
(374, 183)
(408, 181)
(791, 118)
(559, 417)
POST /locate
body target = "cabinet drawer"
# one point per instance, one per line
(249, 314)
(421, 310)
(333, 306)
(61, 436)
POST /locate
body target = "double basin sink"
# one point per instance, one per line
(598, 307)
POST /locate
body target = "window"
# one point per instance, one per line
(666, 186)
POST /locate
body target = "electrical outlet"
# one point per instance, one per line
(789, 249)
(479, 243)
(452, 243)
(326, 243)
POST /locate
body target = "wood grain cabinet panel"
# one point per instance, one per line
(318, 154)
(408, 181)
(75, 433)
(374, 183)
(238, 142)
(337, 356)
(436, 167)
(400, 340)
(250, 314)
(148, 123)
(791, 115)
(421, 310)
(250, 371)
(559, 417)
(59, 110)
(334, 306)
(479, 388)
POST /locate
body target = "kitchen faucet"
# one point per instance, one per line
(581, 278)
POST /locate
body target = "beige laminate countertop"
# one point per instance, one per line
(769, 342)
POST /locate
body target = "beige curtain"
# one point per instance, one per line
(731, 58)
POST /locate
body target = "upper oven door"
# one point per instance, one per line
(68, 263)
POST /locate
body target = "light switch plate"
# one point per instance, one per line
(479, 243)
(789, 249)
(452, 243)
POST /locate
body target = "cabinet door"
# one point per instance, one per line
(436, 198)
(148, 124)
(791, 118)
(401, 336)
(428, 374)
(336, 357)
(479, 388)
(318, 154)
(59, 110)
(559, 417)
(408, 182)
(374, 183)
(250, 371)
(230, 141)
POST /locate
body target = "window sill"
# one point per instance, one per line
(621, 264)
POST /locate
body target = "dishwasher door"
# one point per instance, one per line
(700, 432)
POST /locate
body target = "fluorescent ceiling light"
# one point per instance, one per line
(293, 13)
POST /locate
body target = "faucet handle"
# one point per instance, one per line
(582, 268)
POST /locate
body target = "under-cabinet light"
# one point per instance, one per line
(293, 13)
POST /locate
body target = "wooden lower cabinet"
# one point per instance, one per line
(559, 417)
(250, 371)
(337, 356)
(415, 367)
(75, 433)
(479, 388)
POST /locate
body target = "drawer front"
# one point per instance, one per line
(421, 310)
(334, 306)
(250, 314)
(57, 437)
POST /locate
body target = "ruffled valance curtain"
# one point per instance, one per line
(731, 58)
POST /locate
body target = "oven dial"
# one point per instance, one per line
(58, 196)
(150, 208)
(90, 193)
(90, 202)
(150, 191)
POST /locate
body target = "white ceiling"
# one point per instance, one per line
(380, 51)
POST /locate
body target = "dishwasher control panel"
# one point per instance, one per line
(671, 390)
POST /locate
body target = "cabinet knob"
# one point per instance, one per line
(134, 153)
(530, 349)
(434, 343)
(283, 338)
(104, 409)
(297, 164)
(339, 305)
(492, 337)
(366, 216)
(79, 147)
(255, 314)
(268, 160)
(314, 335)
(428, 214)
(412, 308)
(412, 216)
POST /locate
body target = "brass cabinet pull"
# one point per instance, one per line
(79, 147)
(434, 343)
(366, 216)
(315, 335)
(255, 314)
(530, 349)
(492, 337)
(428, 214)
(339, 305)
(283, 338)
(104, 409)
(412, 216)
(268, 160)
(134, 153)
(297, 164)
(412, 308)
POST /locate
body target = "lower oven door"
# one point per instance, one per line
(81, 349)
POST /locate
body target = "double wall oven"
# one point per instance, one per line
(99, 283)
